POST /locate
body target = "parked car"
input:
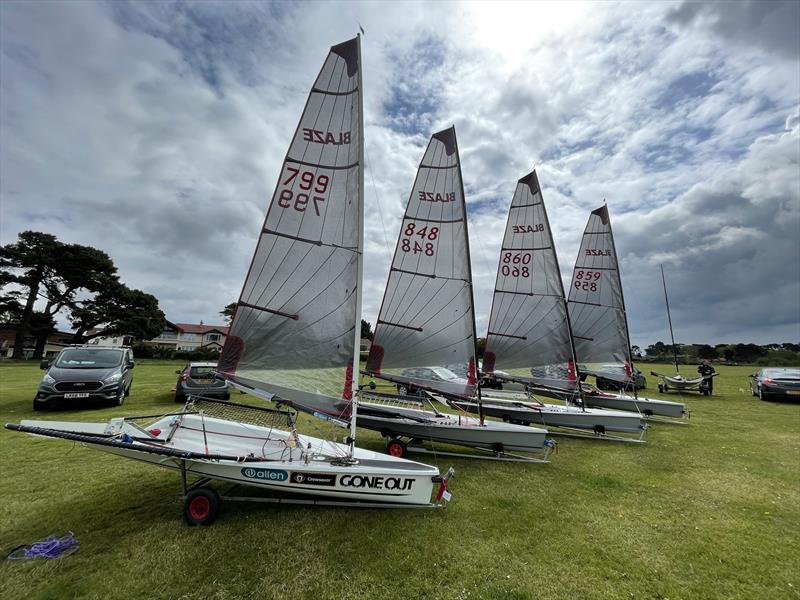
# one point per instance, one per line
(432, 374)
(773, 382)
(198, 379)
(95, 373)
(609, 384)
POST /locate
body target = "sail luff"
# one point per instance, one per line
(355, 365)
(622, 300)
(473, 366)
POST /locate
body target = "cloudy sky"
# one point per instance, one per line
(155, 131)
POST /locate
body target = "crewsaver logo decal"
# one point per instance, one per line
(313, 479)
(402, 484)
(266, 474)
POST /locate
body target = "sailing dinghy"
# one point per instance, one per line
(294, 339)
(427, 320)
(678, 382)
(600, 325)
(529, 335)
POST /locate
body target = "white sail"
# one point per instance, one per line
(294, 330)
(427, 316)
(596, 304)
(529, 333)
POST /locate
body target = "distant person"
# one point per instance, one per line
(706, 370)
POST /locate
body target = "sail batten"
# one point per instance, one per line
(528, 335)
(292, 333)
(596, 304)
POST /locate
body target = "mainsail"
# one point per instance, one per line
(529, 331)
(294, 333)
(427, 316)
(596, 305)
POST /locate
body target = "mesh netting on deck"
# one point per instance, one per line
(242, 413)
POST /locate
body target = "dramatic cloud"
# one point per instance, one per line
(155, 131)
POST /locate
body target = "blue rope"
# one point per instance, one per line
(52, 547)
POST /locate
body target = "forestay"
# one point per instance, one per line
(293, 334)
(596, 304)
(529, 335)
(427, 317)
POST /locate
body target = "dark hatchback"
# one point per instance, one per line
(197, 379)
(86, 374)
(773, 383)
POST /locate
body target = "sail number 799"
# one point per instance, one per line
(310, 184)
(409, 244)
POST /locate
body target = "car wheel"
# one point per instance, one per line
(402, 390)
(180, 398)
(753, 392)
(120, 399)
(38, 405)
(128, 389)
(761, 394)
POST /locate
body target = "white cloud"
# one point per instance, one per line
(155, 132)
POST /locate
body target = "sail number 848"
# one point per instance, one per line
(409, 244)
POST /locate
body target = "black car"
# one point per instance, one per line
(610, 384)
(101, 375)
(772, 383)
(198, 379)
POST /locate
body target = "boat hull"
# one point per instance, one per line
(455, 429)
(554, 415)
(291, 465)
(645, 406)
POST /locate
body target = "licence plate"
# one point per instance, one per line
(793, 392)
(77, 395)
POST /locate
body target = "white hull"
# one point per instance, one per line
(518, 408)
(645, 406)
(454, 429)
(307, 466)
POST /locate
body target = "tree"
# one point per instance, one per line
(791, 347)
(366, 330)
(119, 310)
(636, 352)
(228, 311)
(658, 349)
(706, 352)
(25, 263)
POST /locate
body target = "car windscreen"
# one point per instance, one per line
(88, 358)
(788, 373)
(202, 371)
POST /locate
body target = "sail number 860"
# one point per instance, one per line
(510, 260)
(409, 244)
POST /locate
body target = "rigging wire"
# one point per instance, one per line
(378, 200)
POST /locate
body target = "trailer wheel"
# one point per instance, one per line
(201, 506)
(396, 448)
(660, 388)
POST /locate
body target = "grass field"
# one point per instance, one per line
(709, 510)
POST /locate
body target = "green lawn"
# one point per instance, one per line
(710, 510)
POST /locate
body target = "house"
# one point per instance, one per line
(191, 336)
(55, 342)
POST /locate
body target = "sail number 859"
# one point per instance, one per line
(512, 260)
(308, 182)
(586, 280)
(409, 244)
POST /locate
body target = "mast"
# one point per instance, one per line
(360, 261)
(471, 287)
(669, 317)
(622, 297)
(566, 306)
